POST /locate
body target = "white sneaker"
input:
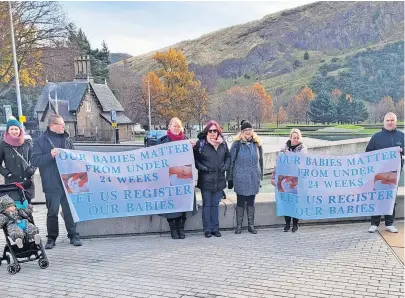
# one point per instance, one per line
(37, 239)
(19, 243)
(391, 229)
(372, 229)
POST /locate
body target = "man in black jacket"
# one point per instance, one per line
(43, 156)
(388, 137)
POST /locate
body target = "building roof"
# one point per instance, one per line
(106, 98)
(121, 118)
(73, 92)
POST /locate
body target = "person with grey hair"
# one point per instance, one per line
(388, 137)
(43, 156)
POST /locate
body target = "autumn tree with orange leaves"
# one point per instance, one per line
(182, 96)
(250, 102)
(306, 95)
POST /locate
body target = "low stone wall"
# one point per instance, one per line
(265, 217)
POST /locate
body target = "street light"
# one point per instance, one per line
(150, 119)
(17, 79)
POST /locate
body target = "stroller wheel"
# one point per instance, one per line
(43, 263)
(13, 269)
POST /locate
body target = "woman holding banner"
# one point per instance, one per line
(176, 220)
(245, 173)
(294, 144)
(212, 160)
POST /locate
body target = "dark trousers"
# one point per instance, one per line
(389, 219)
(240, 200)
(53, 201)
(210, 212)
(288, 220)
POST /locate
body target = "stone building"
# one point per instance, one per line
(84, 105)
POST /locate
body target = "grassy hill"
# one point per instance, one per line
(271, 50)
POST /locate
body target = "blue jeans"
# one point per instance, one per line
(210, 212)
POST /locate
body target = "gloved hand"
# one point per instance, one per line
(29, 172)
(27, 183)
(230, 184)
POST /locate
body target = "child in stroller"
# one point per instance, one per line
(18, 225)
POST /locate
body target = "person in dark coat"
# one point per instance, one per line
(388, 137)
(16, 152)
(43, 156)
(212, 160)
(176, 220)
(245, 173)
(294, 144)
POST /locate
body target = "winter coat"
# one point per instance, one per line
(11, 217)
(163, 140)
(15, 165)
(386, 139)
(211, 165)
(246, 167)
(42, 158)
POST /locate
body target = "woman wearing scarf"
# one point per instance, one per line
(245, 173)
(15, 152)
(212, 160)
(294, 144)
(176, 220)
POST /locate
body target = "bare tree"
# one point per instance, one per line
(37, 24)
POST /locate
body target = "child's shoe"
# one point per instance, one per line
(19, 243)
(37, 239)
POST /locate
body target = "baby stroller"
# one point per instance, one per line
(30, 250)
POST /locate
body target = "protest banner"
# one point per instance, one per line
(312, 186)
(153, 180)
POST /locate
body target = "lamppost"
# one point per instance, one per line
(150, 118)
(17, 79)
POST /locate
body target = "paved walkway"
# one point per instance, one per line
(395, 241)
(317, 261)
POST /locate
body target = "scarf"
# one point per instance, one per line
(14, 141)
(215, 143)
(173, 137)
(291, 147)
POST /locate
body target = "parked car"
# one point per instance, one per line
(137, 129)
(153, 136)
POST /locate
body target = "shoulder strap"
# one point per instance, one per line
(52, 144)
(19, 155)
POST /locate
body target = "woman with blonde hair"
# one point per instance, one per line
(176, 220)
(294, 144)
(245, 173)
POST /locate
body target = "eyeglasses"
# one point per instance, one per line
(212, 130)
(62, 124)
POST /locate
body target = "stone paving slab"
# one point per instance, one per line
(317, 261)
(395, 241)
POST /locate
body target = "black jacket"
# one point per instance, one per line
(211, 165)
(386, 139)
(14, 165)
(42, 158)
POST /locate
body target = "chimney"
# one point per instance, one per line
(82, 68)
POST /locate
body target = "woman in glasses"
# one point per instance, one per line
(212, 160)
(245, 173)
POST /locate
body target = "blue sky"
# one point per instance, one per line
(140, 27)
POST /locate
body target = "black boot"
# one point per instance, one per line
(173, 228)
(251, 219)
(295, 225)
(239, 219)
(287, 223)
(180, 224)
